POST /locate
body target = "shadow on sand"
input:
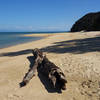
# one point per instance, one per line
(17, 53)
(77, 46)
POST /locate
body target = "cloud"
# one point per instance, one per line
(50, 28)
(32, 28)
(15, 28)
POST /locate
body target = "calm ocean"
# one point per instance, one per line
(13, 38)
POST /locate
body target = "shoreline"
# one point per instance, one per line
(15, 44)
(41, 36)
(46, 36)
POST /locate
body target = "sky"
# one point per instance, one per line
(43, 15)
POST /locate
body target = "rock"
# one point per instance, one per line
(89, 22)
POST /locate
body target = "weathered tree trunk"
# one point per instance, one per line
(54, 73)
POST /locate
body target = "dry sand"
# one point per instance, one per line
(77, 54)
(39, 35)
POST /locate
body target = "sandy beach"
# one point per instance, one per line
(40, 35)
(77, 54)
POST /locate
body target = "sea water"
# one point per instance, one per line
(13, 38)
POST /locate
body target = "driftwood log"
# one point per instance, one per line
(49, 69)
